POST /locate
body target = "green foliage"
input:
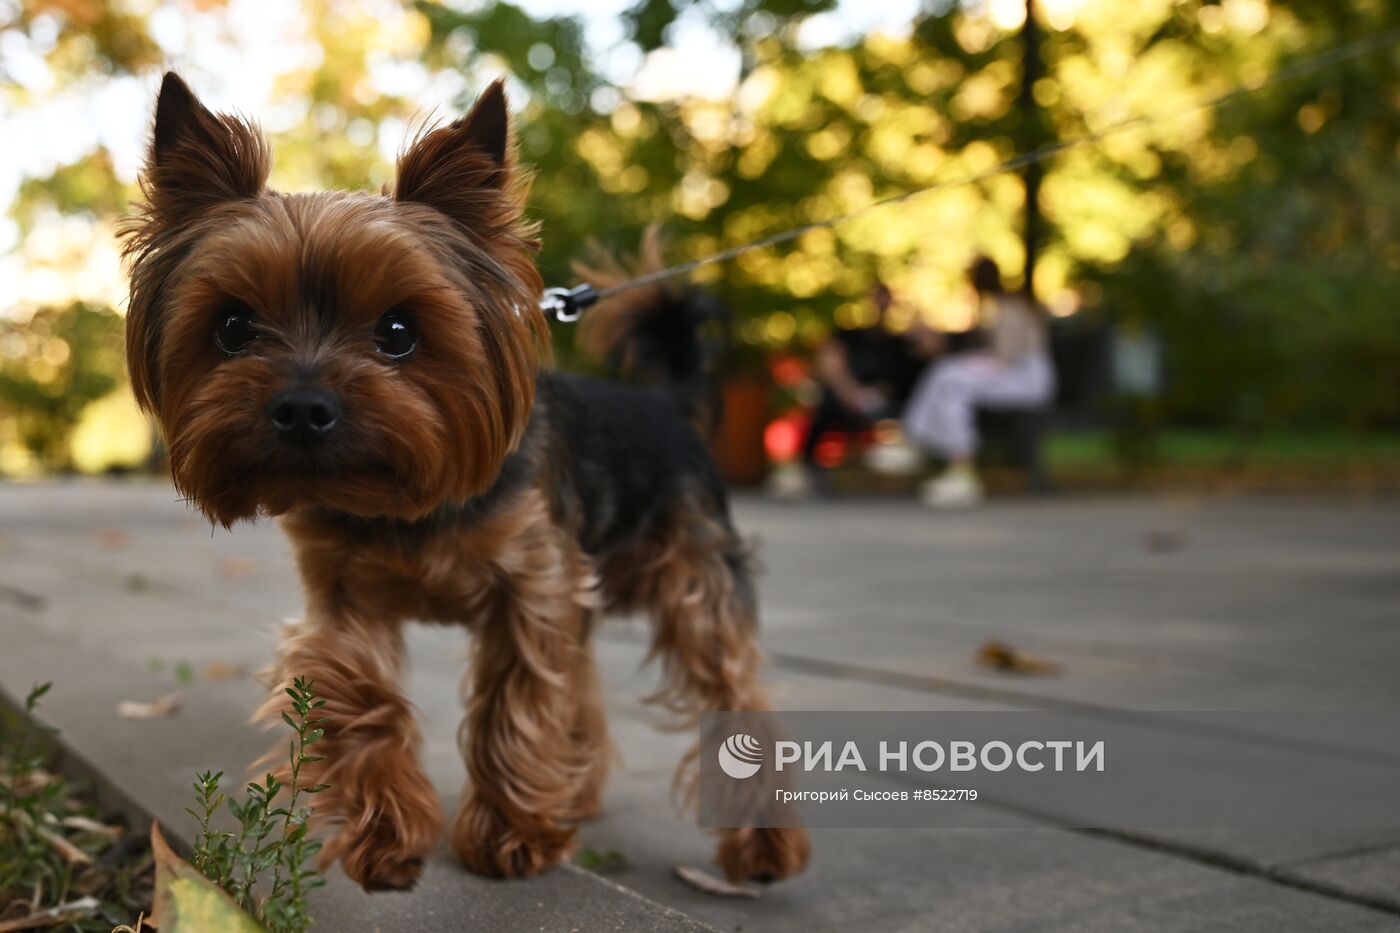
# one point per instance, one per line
(1259, 241)
(28, 801)
(607, 862)
(1269, 460)
(1272, 284)
(23, 803)
(102, 36)
(1267, 275)
(606, 166)
(53, 852)
(649, 21)
(263, 865)
(87, 187)
(51, 367)
(547, 54)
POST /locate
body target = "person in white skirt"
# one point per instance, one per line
(1013, 371)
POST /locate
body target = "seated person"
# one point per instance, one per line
(866, 374)
(1013, 371)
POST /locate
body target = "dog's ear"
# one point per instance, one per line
(463, 168)
(198, 158)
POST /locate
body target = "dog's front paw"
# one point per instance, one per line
(762, 854)
(381, 855)
(376, 870)
(490, 844)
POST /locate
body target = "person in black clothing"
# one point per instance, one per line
(866, 374)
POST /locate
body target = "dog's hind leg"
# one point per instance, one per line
(699, 588)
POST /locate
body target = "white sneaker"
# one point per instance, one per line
(895, 458)
(789, 482)
(955, 489)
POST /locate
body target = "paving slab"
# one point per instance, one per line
(1032, 879)
(1145, 604)
(1368, 873)
(145, 768)
(1307, 589)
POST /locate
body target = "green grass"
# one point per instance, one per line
(61, 868)
(1307, 450)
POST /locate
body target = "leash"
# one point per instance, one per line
(568, 304)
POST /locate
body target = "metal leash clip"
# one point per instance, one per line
(567, 304)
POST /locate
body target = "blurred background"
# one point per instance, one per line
(1224, 281)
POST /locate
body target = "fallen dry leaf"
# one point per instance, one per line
(159, 708)
(236, 568)
(220, 670)
(704, 881)
(92, 827)
(70, 853)
(188, 902)
(67, 850)
(111, 538)
(1159, 541)
(1003, 657)
(53, 916)
(30, 781)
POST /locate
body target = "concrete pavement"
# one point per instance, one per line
(1145, 604)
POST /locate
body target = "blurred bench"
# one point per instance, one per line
(1015, 436)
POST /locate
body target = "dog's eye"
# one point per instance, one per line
(396, 335)
(234, 329)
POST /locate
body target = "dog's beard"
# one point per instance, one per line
(396, 456)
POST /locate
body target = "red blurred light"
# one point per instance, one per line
(831, 450)
(782, 439)
(788, 371)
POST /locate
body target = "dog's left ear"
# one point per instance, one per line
(463, 168)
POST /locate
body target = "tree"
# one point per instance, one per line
(51, 367)
(1259, 240)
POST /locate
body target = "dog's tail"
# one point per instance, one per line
(653, 334)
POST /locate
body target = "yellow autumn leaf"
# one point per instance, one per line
(187, 902)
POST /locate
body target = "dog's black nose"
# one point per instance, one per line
(304, 416)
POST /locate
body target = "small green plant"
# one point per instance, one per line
(263, 865)
(609, 862)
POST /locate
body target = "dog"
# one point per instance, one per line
(372, 370)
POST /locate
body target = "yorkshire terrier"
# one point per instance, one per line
(371, 368)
